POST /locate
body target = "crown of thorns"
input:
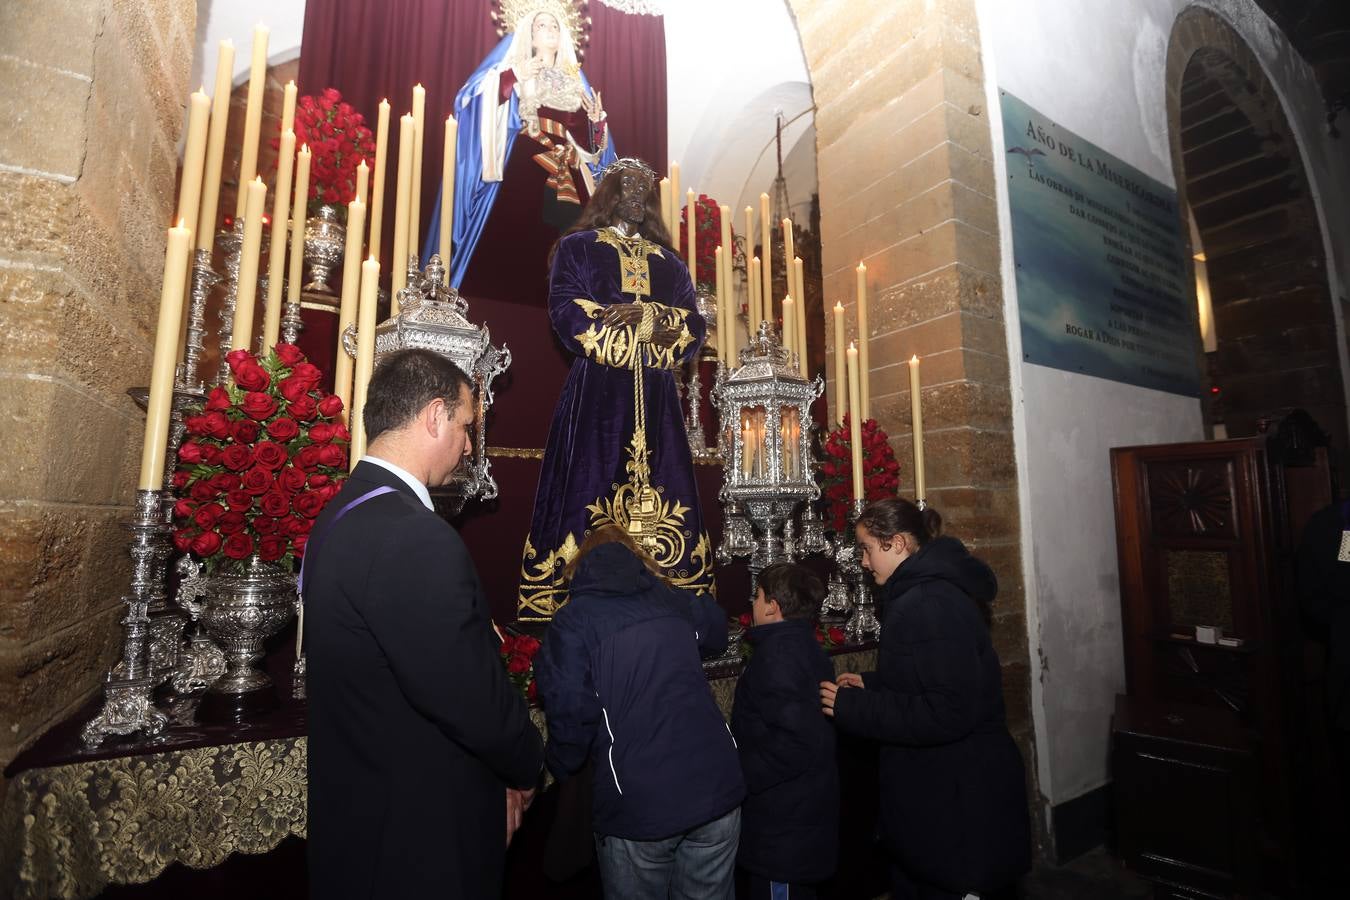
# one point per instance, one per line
(628, 163)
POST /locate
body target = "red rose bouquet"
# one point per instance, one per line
(880, 470)
(259, 461)
(707, 237)
(339, 139)
(517, 652)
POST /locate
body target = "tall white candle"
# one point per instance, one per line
(377, 190)
(299, 211)
(276, 251)
(800, 330)
(419, 112)
(165, 356)
(398, 278)
(257, 83)
(855, 424)
(365, 354)
(674, 197)
(448, 192)
(691, 235)
(255, 196)
(362, 183)
(788, 255)
(840, 367)
(288, 107)
(351, 290)
(790, 328)
(864, 337)
(916, 413)
(723, 326)
(215, 148)
(190, 185)
(756, 295)
(766, 258)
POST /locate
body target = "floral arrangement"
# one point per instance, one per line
(707, 237)
(339, 139)
(517, 652)
(828, 636)
(880, 470)
(259, 461)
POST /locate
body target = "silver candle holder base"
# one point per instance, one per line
(128, 705)
(863, 624)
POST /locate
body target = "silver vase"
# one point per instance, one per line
(325, 240)
(242, 608)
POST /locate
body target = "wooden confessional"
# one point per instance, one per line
(1210, 746)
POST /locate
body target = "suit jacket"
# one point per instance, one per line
(414, 730)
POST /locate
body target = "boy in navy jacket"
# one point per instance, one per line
(790, 819)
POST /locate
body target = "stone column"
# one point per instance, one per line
(93, 106)
(907, 185)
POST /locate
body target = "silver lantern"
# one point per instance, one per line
(765, 410)
(432, 316)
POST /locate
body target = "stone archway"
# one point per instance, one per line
(1239, 170)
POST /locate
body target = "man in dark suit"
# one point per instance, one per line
(422, 756)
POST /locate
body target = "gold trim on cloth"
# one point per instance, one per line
(615, 345)
(542, 592)
(634, 273)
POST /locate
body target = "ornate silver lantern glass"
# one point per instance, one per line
(433, 316)
(765, 409)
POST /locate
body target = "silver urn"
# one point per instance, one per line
(325, 241)
(241, 609)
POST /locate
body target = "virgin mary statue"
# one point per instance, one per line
(529, 122)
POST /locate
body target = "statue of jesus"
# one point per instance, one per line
(617, 452)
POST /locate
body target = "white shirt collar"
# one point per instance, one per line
(418, 487)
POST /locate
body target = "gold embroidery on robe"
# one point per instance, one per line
(614, 346)
(542, 591)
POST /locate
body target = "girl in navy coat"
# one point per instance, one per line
(790, 819)
(954, 811)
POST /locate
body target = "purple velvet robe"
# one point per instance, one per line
(593, 469)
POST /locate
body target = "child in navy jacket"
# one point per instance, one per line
(790, 819)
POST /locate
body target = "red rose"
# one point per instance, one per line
(195, 425)
(257, 481)
(203, 492)
(270, 455)
(218, 399)
(293, 525)
(265, 525)
(239, 501)
(304, 408)
(245, 432)
(272, 547)
(329, 491)
(217, 425)
(293, 388)
(745, 619)
(190, 452)
(527, 645)
(183, 508)
(236, 358)
(274, 503)
(307, 373)
(182, 540)
(309, 504)
(258, 406)
(181, 479)
(508, 646)
(341, 433)
(225, 482)
(308, 457)
(330, 405)
(321, 433)
(332, 455)
(239, 546)
(205, 516)
(283, 429)
(291, 479)
(206, 543)
(252, 377)
(517, 664)
(210, 454)
(298, 544)
(231, 523)
(837, 635)
(289, 354)
(318, 480)
(237, 457)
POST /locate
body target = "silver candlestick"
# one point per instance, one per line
(204, 278)
(863, 624)
(127, 703)
(291, 326)
(232, 242)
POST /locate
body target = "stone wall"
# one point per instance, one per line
(93, 107)
(907, 186)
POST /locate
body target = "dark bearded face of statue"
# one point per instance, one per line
(634, 186)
